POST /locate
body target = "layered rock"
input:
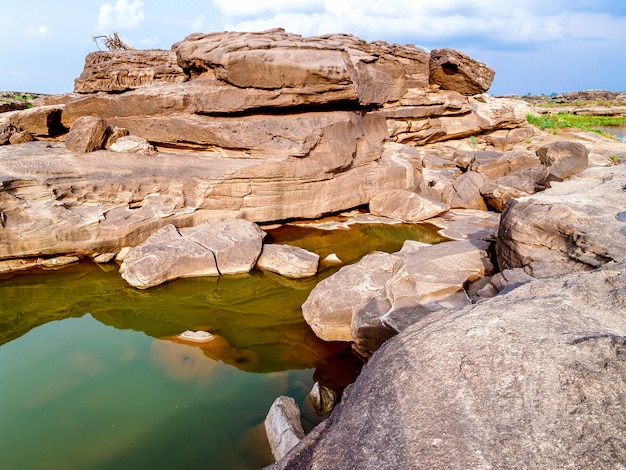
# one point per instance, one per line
(117, 71)
(535, 376)
(61, 202)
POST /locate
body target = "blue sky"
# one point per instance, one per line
(535, 46)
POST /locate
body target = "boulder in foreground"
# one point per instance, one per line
(535, 378)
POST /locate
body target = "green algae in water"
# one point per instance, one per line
(93, 375)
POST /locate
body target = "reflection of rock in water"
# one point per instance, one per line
(218, 349)
(184, 363)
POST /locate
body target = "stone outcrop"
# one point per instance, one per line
(535, 377)
(563, 159)
(574, 225)
(352, 304)
(453, 70)
(221, 247)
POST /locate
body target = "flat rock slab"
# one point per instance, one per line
(289, 261)
(534, 378)
(211, 249)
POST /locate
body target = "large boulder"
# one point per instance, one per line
(574, 225)
(87, 134)
(563, 159)
(352, 304)
(534, 378)
(222, 247)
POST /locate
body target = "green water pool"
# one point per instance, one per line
(93, 375)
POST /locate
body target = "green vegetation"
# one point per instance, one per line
(564, 120)
(473, 141)
(22, 97)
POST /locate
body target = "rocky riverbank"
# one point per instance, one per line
(505, 345)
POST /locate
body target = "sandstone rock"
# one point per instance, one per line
(464, 224)
(465, 192)
(533, 376)
(289, 261)
(283, 426)
(41, 121)
(494, 165)
(113, 133)
(453, 70)
(563, 159)
(6, 131)
(350, 68)
(103, 257)
(164, 256)
(329, 307)
(124, 70)
(520, 183)
(405, 205)
(86, 135)
(59, 261)
(501, 282)
(236, 243)
(20, 137)
(570, 226)
(133, 144)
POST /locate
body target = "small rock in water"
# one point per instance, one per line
(332, 259)
(322, 398)
(198, 336)
(59, 261)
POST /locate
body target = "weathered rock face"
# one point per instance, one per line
(348, 67)
(115, 71)
(563, 159)
(61, 202)
(574, 225)
(453, 70)
(536, 376)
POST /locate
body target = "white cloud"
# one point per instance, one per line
(478, 21)
(37, 31)
(122, 15)
(198, 24)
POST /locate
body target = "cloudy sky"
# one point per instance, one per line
(535, 46)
